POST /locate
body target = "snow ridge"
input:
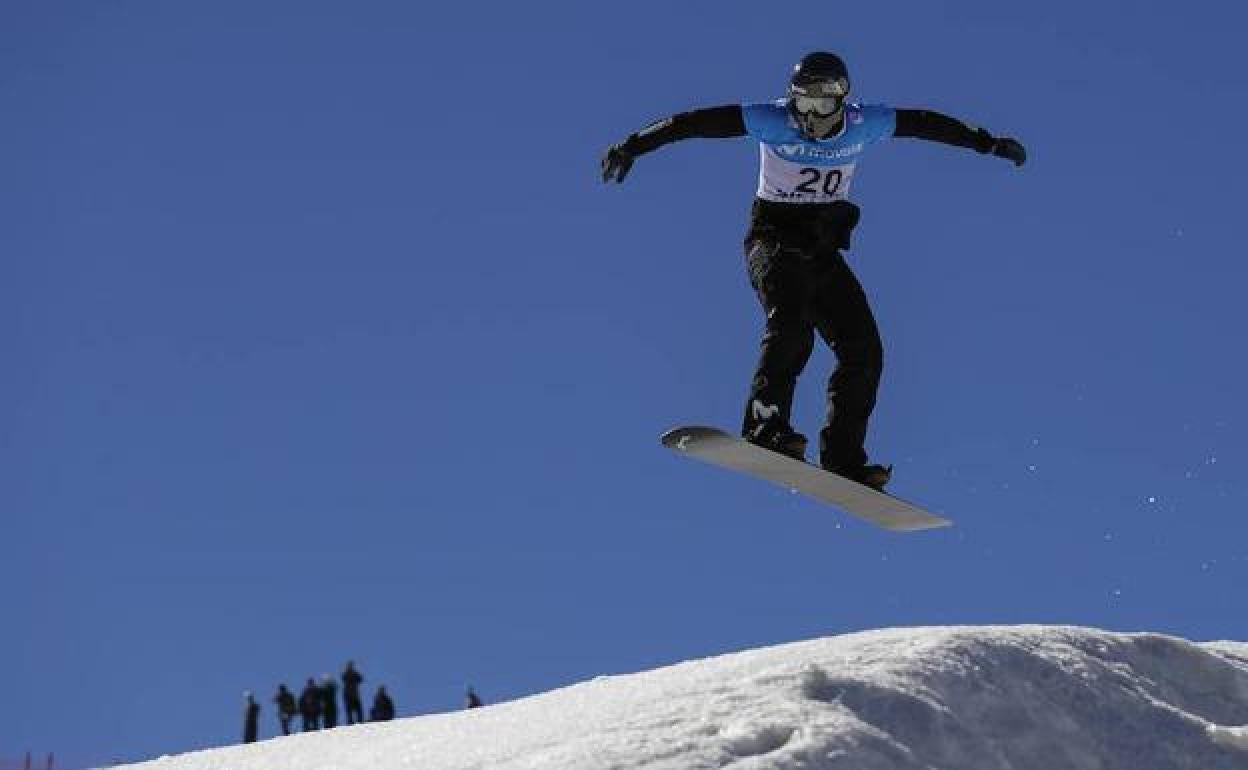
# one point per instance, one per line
(956, 698)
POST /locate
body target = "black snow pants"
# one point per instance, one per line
(804, 290)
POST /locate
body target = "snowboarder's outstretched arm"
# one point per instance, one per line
(728, 121)
(709, 123)
(935, 127)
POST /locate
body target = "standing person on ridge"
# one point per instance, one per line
(801, 220)
(310, 706)
(351, 693)
(383, 706)
(251, 719)
(329, 702)
(285, 701)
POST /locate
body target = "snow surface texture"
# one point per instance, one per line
(950, 698)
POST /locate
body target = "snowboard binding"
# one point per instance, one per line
(874, 476)
(779, 438)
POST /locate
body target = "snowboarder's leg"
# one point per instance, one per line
(781, 279)
(846, 323)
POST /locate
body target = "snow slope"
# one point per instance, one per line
(954, 698)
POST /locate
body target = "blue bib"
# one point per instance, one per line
(794, 169)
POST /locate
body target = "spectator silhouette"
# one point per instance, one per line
(383, 707)
(310, 706)
(329, 702)
(351, 693)
(285, 707)
(473, 701)
(251, 719)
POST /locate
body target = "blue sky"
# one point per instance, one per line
(325, 341)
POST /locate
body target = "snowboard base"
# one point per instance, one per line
(714, 446)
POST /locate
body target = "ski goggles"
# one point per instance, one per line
(823, 97)
(820, 105)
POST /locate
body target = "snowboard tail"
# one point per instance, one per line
(714, 446)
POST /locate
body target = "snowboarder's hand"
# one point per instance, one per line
(616, 163)
(1010, 149)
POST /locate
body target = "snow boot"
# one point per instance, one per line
(874, 476)
(778, 437)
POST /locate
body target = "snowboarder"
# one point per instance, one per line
(383, 707)
(285, 707)
(351, 693)
(472, 700)
(810, 143)
(251, 719)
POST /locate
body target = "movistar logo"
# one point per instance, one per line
(814, 151)
(763, 411)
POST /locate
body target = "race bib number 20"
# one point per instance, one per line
(789, 182)
(820, 180)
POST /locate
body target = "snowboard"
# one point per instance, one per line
(714, 446)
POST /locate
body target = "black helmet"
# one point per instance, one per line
(817, 93)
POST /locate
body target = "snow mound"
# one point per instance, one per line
(948, 698)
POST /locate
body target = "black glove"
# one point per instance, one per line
(1010, 149)
(616, 163)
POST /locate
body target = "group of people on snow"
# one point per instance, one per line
(317, 705)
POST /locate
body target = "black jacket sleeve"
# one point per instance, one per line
(707, 123)
(935, 127)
